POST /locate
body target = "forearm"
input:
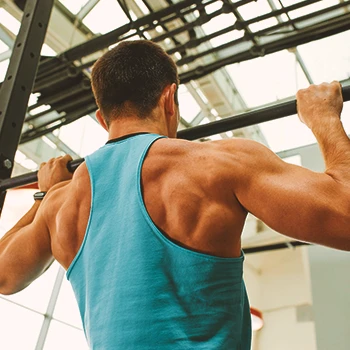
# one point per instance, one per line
(26, 220)
(335, 147)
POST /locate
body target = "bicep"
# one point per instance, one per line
(290, 199)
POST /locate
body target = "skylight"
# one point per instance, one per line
(105, 16)
(3, 69)
(312, 8)
(254, 9)
(10, 22)
(328, 59)
(189, 108)
(3, 47)
(268, 79)
(83, 136)
(219, 22)
(74, 6)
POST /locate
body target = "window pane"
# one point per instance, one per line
(9, 21)
(254, 9)
(188, 106)
(64, 337)
(268, 79)
(74, 6)
(106, 16)
(67, 308)
(83, 136)
(3, 47)
(328, 59)
(3, 69)
(19, 327)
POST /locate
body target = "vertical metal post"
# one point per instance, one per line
(19, 80)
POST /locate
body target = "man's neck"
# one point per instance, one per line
(120, 128)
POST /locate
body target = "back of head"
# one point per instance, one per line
(132, 76)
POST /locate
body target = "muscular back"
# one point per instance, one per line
(186, 190)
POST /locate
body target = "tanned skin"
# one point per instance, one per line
(198, 194)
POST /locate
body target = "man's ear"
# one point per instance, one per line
(170, 105)
(101, 120)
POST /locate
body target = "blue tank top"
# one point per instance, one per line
(138, 290)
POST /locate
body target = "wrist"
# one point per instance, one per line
(328, 122)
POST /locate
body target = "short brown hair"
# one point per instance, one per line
(136, 72)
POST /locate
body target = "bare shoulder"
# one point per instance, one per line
(65, 191)
(237, 154)
(214, 163)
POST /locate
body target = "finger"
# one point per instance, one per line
(42, 164)
(68, 157)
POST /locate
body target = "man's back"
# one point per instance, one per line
(184, 195)
(156, 294)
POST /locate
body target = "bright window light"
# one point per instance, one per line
(83, 136)
(189, 108)
(215, 137)
(49, 142)
(61, 336)
(254, 9)
(287, 133)
(10, 22)
(213, 7)
(268, 79)
(219, 22)
(3, 47)
(328, 59)
(312, 8)
(67, 308)
(105, 16)
(225, 38)
(255, 27)
(33, 98)
(142, 6)
(30, 164)
(3, 69)
(46, 50)
(40, 109)
(296, 160)
(74, 6)
(204, 121)
(19, 327)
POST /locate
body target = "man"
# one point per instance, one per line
(149, 227)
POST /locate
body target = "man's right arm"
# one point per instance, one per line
(299, 203)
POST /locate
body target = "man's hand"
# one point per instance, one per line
(53, 172)
(320, 104)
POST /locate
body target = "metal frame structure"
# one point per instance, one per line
(19, 81)
(72, 67)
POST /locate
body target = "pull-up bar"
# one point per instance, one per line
(231, 123)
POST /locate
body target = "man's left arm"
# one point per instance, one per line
(25, 250)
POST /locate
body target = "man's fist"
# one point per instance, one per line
(318, 104)
(53, 172)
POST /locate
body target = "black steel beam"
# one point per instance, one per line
(236, 122)
(319, 31)
(19, 80)
(269, 247)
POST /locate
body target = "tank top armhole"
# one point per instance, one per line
(158, 232)
(76, 258)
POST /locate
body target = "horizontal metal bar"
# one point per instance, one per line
(267, 248)
(236, 122)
